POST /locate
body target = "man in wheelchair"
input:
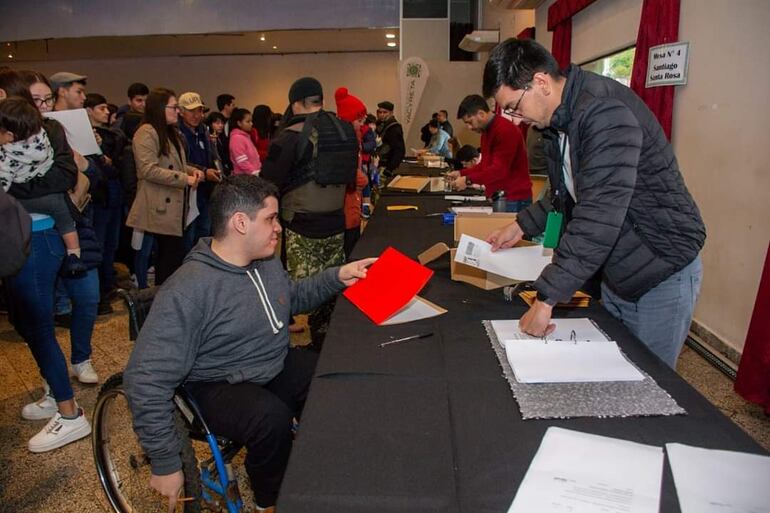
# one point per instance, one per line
(220, 325)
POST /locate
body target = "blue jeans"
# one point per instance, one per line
(661, 318)
(84, 293)
(32, 299)
(142, 260)
(517, 205)
(107, 227)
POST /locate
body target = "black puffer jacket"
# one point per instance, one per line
(634, 218)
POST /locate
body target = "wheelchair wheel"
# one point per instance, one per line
(124, 470)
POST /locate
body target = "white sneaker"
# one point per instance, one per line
(85, 372)
(59, 432)
(44, 408)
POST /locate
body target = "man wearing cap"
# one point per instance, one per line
(392, 148)
(200, 154)
(312, 179)
(69, 89)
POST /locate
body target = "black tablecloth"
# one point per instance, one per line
(431, 425)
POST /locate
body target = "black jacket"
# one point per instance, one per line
(634, 218)
(393, 147)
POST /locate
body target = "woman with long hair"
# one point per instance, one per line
(166, 187)
(243, 153)
(262, 128)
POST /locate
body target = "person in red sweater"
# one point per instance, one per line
(503, 165)
(352, 110)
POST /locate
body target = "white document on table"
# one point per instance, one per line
(418, 308)
(521, 263)
(80, 133)
(472, 210)
(458, 197)
(575, 472)
(566, 329)
(714, 481)
(539, 361)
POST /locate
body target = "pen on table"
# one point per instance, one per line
(404, 339)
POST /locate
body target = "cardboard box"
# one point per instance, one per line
(479, 226)
(417, 183)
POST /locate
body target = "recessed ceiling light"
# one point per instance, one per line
(10, 56)
(390, 36)
(275, 48)
(392, 44)
(262, 37)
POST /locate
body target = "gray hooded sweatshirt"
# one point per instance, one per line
(212, 321)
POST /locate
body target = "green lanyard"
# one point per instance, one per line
(555, 219)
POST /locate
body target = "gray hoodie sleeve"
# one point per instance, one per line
(162, 357)
(310, 293)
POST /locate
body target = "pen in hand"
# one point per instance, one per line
(404, 339)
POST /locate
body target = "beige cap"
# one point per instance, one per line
(190, 101)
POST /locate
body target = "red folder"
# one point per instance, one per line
(390, 283)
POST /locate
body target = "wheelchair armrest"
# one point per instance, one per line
(138, 303)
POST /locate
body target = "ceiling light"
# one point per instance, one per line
(10, 56)
(275, 48)
(390, 36)
(392, 44)
(262, 37)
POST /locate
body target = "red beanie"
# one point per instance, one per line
(349, 107)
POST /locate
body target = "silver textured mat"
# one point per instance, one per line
(602, 399)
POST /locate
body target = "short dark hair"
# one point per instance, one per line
(472, 104)
(370, 119)
(467, 153)
(137, 89)
(514, 62)
(224, 99)
(237, 116)
(20, 117)
(112, 108)
(445, 113)
(434, 123)
(215, 116)
(237, 193)
(94, 99)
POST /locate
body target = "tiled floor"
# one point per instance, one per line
(64, 481)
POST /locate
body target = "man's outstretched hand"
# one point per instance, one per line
(354, 271)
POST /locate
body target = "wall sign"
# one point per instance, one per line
(667, 65)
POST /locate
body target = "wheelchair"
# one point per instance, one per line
(210, 484)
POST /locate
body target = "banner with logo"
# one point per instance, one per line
(413, 77)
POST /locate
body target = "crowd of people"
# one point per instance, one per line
(206, 198)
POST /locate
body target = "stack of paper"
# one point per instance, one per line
(578, 300)
(575, 352)
(712, 481)
(584, 473)
(520, 263)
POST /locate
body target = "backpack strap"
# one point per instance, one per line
(304, 136)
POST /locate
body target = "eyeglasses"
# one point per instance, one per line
(48, 100)
(173, 107)
(512, 111)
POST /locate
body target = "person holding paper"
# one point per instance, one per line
(162, 206)
(220, 325)
(618, 200)
(504, 164)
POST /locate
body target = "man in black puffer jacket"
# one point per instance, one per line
(616, 184)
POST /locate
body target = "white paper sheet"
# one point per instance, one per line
(537, 361)
(80, 133)
(458, 197)
(472, 210)
(522, 263)
(192, 212)
(418, 308)
(713, 481)
(575, 472)
(583, 327)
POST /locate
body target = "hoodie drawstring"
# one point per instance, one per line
(272, 318)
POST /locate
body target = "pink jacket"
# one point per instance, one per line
(243, 154)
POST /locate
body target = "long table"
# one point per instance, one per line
(431, 425)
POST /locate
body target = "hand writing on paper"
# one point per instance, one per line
(169, 486)
(537, 320)
(505, 237)
(354, 271)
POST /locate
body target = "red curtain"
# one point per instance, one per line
(753, 381)
(527, 33)
(659, 24)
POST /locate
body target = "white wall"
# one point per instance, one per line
(720, 136)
